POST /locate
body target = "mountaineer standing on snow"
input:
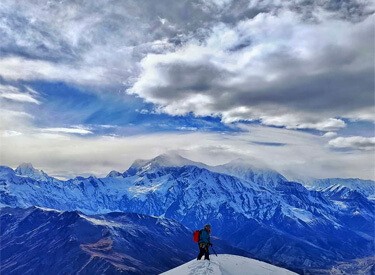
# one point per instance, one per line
(204, 242)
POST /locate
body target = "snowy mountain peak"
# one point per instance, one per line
(27, 170)
(251, 173)
(241, 164)
(26, 166)
(173, 159)
(114, 174)
(170, 159)
(224, 264)
(365, 187)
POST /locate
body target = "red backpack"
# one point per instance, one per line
(196, 234)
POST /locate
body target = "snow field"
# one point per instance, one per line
(225, 264)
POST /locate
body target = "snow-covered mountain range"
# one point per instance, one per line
(255, 209)
(365, 187)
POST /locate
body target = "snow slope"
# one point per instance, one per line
(225, 264)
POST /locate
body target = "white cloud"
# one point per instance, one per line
(299, 122)
(330, 134)
(14, 120)
(76, 130)
(19, 97)
(8, 133)
(353, 143)
(19, 68)
(365, 114)
(14, 94)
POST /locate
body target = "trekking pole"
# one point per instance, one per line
(214, 251)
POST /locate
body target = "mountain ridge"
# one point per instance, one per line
(40, 240)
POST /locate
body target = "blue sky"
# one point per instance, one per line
(106, 113)
(209, 79)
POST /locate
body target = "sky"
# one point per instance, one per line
(87, 87)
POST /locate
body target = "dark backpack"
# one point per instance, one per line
(196, 235)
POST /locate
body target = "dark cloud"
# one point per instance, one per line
(276, 144)
(331, 93)
(309, 72)
(33, 40)
(186, 79)
(63, 30)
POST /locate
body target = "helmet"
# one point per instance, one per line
(207, 226)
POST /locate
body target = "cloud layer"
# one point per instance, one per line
(294, 154)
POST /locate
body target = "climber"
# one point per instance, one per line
(204, 242)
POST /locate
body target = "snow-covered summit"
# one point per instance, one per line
(225, 264)
(246, 170)
(27, 170)
(170, 159)
(114, 174)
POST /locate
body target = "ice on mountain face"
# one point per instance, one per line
(299, 214)
(102, 222)
(340, 204)
(48, 209)
(356, 213)
(139, 190)
(225, 264)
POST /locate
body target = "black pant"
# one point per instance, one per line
(203, 250)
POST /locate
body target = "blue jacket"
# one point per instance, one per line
(204, 236)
